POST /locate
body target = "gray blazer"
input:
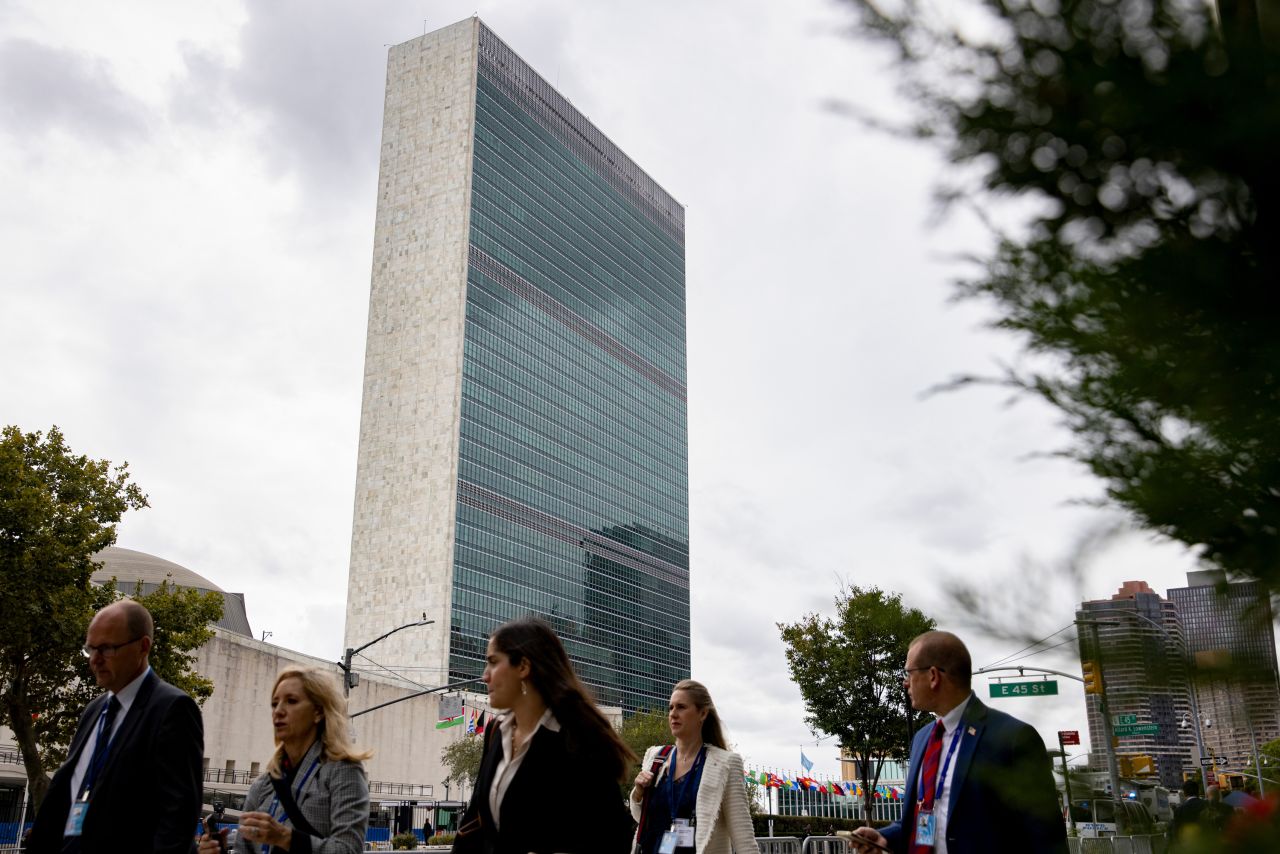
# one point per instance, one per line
(335, 800)
(724, 814)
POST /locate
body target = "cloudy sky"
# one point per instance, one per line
(185, 238)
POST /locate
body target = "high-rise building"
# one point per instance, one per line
(1230, 635)
(523, 437)
(1143, 665)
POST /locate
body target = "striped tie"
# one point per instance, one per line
(929, 780)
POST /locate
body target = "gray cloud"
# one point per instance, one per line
(44, 88)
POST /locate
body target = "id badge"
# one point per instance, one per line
(684, 833)
(925, 828)
(75, 819)
(668, 844)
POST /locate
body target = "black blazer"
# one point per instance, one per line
(149, 795)
(557, 803)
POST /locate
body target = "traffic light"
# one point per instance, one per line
(1142, 765)
(1125, 764)
(1092, 678)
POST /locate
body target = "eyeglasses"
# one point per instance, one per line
(107, 650)
(907, 671)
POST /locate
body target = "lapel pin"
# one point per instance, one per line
(972, 731)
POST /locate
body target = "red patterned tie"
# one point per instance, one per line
(929, 780)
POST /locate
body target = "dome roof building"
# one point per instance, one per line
(130, 568)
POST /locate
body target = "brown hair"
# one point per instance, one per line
(712, 730)
(322, 690)
(587, 732)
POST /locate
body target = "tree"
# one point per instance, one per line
(57, 510)
(849, 670)
(1144, 285)
(183, 619)
(462, 758)
(641, 731)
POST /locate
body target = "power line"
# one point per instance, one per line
(1014, 656)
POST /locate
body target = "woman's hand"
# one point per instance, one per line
(213, 844)
(643, 781)
(260, 828)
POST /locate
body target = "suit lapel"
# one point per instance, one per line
(312, 754)
(87, 723)
(972, 723)
(127, 728)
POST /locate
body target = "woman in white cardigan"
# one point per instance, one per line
(693, 794)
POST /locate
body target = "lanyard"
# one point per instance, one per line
(297, 790)
(98, 758)
(946, 763)
(675, 796)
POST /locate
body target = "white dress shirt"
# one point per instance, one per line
(951, 732)
(125, 698)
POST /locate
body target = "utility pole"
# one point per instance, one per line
(1066, 781)
(1113, 766)
(351, 679)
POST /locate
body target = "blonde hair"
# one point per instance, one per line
(322, 690)
(712, 729)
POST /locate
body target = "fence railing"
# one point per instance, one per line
(1154, 844)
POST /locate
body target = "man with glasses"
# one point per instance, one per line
(979, 779)
(132, 779)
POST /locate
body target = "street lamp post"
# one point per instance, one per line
(351, 679)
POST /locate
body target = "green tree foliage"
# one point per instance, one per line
(58, 509)
(183, 620)
(640, 732)
(462, 758)
(1145, 286)
(849, 671)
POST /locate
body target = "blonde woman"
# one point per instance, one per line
(315, 795)
(695, 799)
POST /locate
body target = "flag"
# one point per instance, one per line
(471, 723)
(480, 725)
(806, 761)
(448, 722)
(836, 789)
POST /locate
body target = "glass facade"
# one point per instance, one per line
(573, 458)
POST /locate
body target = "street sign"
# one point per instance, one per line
(1135, 729)
(1069, 736)
(1038, 688)
(1206, 761)
(1124, 720)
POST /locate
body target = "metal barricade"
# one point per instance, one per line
(825, 845)
(778, 844)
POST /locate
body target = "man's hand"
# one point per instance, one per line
(865, 840)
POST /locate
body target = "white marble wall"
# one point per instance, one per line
(403, 530)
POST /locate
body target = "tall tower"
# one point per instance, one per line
(1231, 635)
(1145, 672)
(523, 436)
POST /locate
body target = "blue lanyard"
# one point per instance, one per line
(297, 790)
(91, 773)
(946, 763)
(676, 797)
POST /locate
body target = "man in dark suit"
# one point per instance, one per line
(132, 779)
(979, 779)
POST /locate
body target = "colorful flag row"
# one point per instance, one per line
(827, 787)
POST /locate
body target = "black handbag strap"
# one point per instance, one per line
(295, 815)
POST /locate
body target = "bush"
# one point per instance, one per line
(801, 826)
(442, 839)
(404, 842)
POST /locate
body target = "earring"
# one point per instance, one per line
(524, 688)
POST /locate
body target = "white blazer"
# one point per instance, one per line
(724, 817)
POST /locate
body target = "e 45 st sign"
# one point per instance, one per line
(1038, 688)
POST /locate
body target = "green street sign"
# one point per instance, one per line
(1038, 688)
(1135, 729)
(1124, 720)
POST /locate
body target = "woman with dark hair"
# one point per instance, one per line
(548, 780)
(691, 799)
